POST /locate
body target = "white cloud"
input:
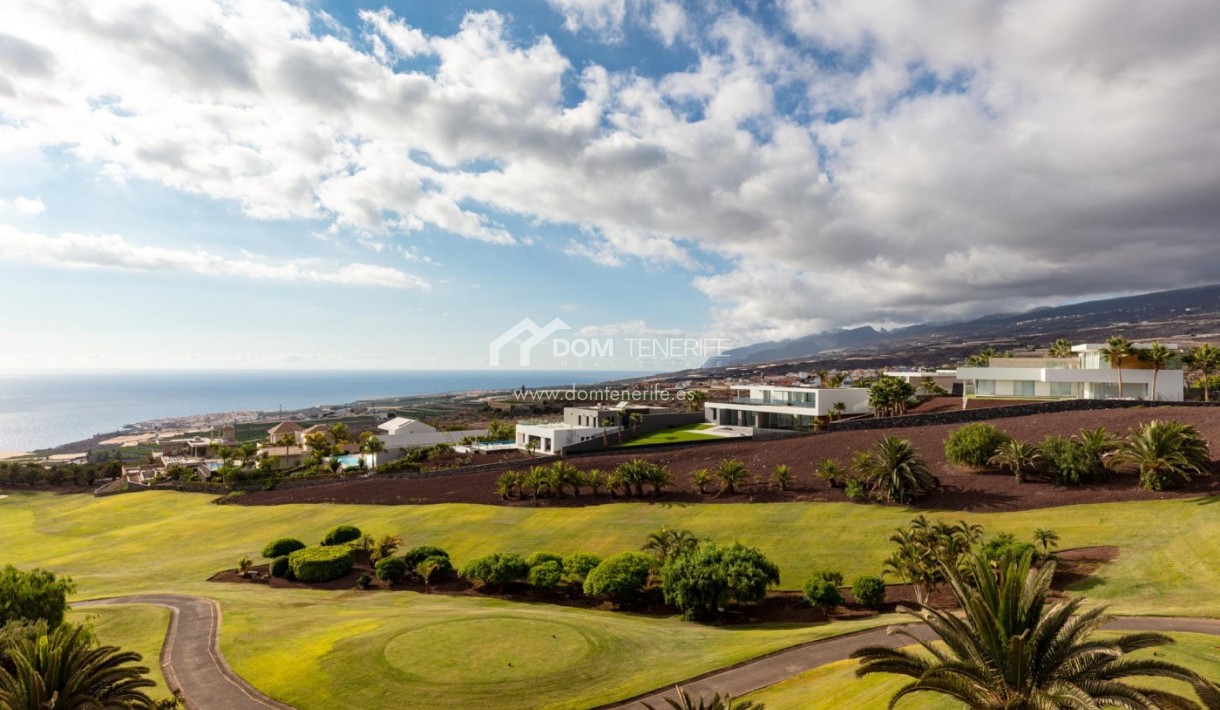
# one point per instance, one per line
(111, 251)
(29, 205)
(876, 162)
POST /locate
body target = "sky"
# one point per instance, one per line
(326, 184)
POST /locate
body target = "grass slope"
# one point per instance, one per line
(372, 647)
(140, 628)
(675, 435)
(836, 685)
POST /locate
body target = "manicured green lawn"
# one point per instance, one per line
(836, 685)
(320, 649)
(677, 435)
(138, 628)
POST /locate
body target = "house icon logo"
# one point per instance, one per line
(537, 334)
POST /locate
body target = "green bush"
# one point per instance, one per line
(341, 534)
(279, 566)
(546, 574)
(822, 593)
(496, 569)
(855, 490)
(869, 591)
(440, 566)
(539, 557)
(30, 596)
(1006, 544)
(578, 565)
(835, 578)
(620, 578)
(391, 569)
(364, 581)
(702, 582)
(418, 554)
(1070, 462)
(973, 444)
(281, 547)
(321, 564)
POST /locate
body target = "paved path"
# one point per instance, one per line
(190, 657)
(769, 670)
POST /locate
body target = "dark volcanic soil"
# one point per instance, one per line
(963, 489)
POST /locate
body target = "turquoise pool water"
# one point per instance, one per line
(350, 461)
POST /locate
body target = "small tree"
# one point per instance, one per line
(732, 473)
(670, 544)
(391, 569)
(30, 596)
(782, 476)
(426, 569)
(830, 471)
(700, 478)
(244, 564)
(896, 472)
(1203, 360)
(578, 565)
(869, 590)
(700, 583)
(385, 546)
(1018, 457)
(546, 575)
(1047, 539)
(620, 578)
(822, 593)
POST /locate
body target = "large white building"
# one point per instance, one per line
(1087, 374)
(774, 407)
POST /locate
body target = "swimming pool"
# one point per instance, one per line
(349, 461)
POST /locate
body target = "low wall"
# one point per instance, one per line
(1016, 410)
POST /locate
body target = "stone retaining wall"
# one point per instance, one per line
(1016, 410)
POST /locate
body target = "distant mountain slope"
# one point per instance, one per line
(1180, 313)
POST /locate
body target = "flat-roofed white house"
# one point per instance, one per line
(554, 437)
(1087, 374)
(945, 379)
(404, 433)
(775, 407)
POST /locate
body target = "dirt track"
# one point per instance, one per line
(963, 490)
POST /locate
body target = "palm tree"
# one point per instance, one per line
(782, 476)
(894, 470)
(732, 473)
(668, 545)
(1158, 356)
(1013, 650)
(1165, 452)
(1117, 349)
(1203, 359)
(699, 478)
(338, 432)
(1060, 348)
(636, 420)
(830, 471)
(1016, 456)
(716, 702)
(66, 669)
(695, 399)
(633, 474)
(372, 446)
(838, 409)
(1047, 539)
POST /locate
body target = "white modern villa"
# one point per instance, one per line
(1087, 374)
(774, 407)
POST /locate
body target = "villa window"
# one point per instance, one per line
(1023, 388)
(984, 387)
(1061, 389)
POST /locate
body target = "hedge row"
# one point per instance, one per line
(321, 564)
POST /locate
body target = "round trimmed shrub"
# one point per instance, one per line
(341, 534)
(545, 574)
(279, 566)
(418, 554)
(973, 444)
(281, 547)
(391, 569)
(442, 565)
(822, 593)
(321, 564)
(578, 565)
(539, 557)
(869, 590)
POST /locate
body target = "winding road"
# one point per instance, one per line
(190, 657)
(194, 668)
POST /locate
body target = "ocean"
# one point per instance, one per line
(43, 410)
